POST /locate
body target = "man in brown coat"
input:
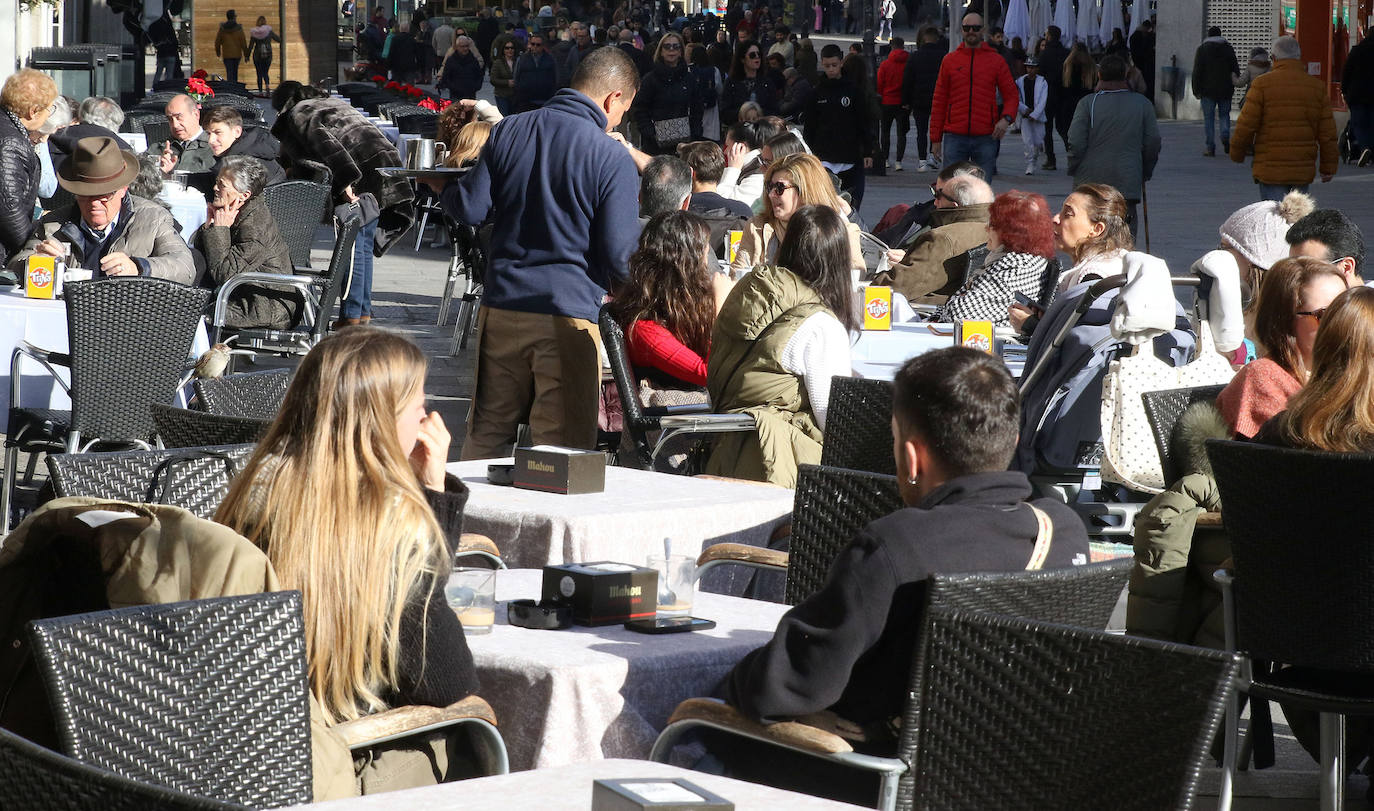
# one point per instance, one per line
(1287, 120)
(231, 44)
(933, 268)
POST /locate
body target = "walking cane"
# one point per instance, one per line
(1145, 206)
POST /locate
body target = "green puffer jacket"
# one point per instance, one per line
(1172, 595)
(745, 376)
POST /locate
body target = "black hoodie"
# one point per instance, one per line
(257, 142)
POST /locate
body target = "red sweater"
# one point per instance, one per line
(1256, 393)
(651, 344)
(965, 100)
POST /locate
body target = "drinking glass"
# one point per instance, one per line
(471, 593)
(676, 582)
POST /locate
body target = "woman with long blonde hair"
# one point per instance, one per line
(467, 144)
(348, 496)
(790, 182)
(1335, 410)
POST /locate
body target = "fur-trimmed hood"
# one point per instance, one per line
(1198, 423)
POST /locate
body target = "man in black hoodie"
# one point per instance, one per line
(1052, 58)
(224, 125)
(847, 649)
(837, 125)
(918, 88)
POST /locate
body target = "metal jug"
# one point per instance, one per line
(424, 153)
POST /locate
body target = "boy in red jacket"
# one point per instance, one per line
(890, 74)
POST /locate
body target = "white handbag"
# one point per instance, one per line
(1129, 453)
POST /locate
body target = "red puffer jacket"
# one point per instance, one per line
(965, 100)
(890, 74)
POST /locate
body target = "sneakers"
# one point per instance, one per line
(1366, 157)
(1049, 165)
(1209, 152)
(1226, 145)
(1030, 167)
(922, 166)
(896, 166)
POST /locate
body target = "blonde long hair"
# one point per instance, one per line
(1334, 411)
(330, 496)
(467, 144)
(813, 186)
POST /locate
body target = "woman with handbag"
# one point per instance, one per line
(667, 108)
(348, 496)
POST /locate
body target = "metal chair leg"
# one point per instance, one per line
(455, 265)
(1332, 733)
(420, 232)
(7, 496)
(464, 325)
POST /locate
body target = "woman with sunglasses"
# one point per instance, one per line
(503, 77)
(750, 80)
(790, 183)
(667, 108)
(781, 336)
(1293, 296)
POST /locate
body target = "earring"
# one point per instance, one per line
(911, 480)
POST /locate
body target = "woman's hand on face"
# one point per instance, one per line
(430, 454)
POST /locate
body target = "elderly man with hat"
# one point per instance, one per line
(107, 230)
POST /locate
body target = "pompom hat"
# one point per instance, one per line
(1258, 230)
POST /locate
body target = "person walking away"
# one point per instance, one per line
(1035, 97)
(890, 79)
(1051, 58)
(964, 115)
(231, 44)
(1142, 45)
(1215, 73)
(262, 36)
(1357, 85)
(561, 194)
(1079, 75)
(889, 10)
(837, 125)
(163, 35)
(918, 89)
(1287, 122)
(1114, 138)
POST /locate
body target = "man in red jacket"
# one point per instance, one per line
(966, 118)
(890, 74)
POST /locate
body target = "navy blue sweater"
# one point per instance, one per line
(564, 199)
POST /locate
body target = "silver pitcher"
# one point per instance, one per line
(425, 153)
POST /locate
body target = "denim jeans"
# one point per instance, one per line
(1269, 191)
(505, 105)
(166, 69)
(981, 149)
(359, 300)
(1214, 110)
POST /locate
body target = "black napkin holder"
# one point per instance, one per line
(656, 793)
(602, 592)
(551, 469)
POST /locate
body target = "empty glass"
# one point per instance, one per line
(471, 593)
(676, 582)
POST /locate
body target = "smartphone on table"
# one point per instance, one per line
(669, 625)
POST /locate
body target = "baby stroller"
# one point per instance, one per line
(1061, 445)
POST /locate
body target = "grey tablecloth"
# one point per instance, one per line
(626, 523)
(570, 788)
(586, 693)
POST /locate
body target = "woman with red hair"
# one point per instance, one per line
(1020, 249)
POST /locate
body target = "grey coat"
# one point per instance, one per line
(251, 245)
(1114, 139)
(146, 233)
(194, 156)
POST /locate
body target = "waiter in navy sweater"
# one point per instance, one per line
(563, 197)
(842, 657)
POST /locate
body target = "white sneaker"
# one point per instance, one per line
(1030, 167)
(887, 164)
(923, 167)
(897, 166)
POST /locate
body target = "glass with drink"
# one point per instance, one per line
(471, 593)
(677, 576)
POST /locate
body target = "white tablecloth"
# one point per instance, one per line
(188, 208)
(43, 323)
(569, 788)
(626, 523)
(586, 693)
(878, 354)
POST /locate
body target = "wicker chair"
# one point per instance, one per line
(1299, 590)
(640, 419)
(185, 428)
(39, 779)
(117, 371)
(858, 426)
(196, 479)
(422, 123)
(207, 697)
(251, 394)
(1045, 704)
(136, 120)
(1084, 594)
(247, 107)
(299, 207)
(1162, 409)
(157, 131)
(321, 295)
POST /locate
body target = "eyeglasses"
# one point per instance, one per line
(969, 29)
(754, 55)
(672, 46)
(1317, 314)
(939, 194)
(507, 47)
(779, 188)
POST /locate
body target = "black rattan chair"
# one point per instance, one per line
(641, 419)
(299, 207)
(1085, 594)
(195, 479)
(156, 131)
(858, 425)
(137, 121)
(421, 122)
(185, 428)
(1162, 409)
(1299, 524)
(321, 295)
(60, 200)
(250, 394)
(129, 341)
(1045, 704)
(39, 779)
(206, 697)
(246, 107)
